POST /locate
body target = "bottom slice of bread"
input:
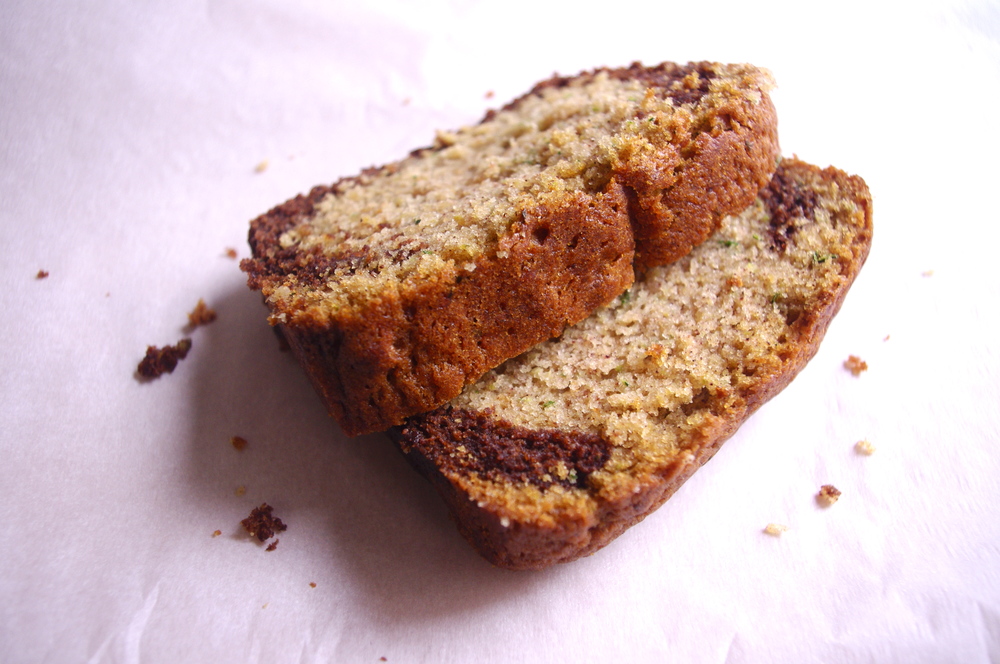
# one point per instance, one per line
(556, 452)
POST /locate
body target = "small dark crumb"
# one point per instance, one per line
(201, 315)
(159, 361)
(262, 524)
(489, 94)
(230, 253)
(216, 533)
(273, 545)
(239, 442)
(312, 584)
(828, 495)
(42, 274)
(855, 365)
(382, 659)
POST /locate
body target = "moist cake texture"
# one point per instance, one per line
(554, 453)
(398, 287)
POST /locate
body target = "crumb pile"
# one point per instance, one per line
(159, 361)
(263, 525)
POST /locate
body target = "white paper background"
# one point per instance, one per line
(129, 133)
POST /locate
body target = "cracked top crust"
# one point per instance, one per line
(602, 174)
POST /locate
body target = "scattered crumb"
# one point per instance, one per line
(273, 545)
(240, 490)
(239, 442)
(42, 274)
(201, 315)
(775, 529)
(864, 447)
(230, 253)
(262, 524)
(886, 338)
(828, 495)
(312, 584)
(382, 659)
(406, 101)
(855, 365)
(489, 94)
(927, 273)
(264, 606)
(216, 533)
(261, 167)
(159, 361)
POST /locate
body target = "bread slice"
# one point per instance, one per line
(398, 287)
(554, 453)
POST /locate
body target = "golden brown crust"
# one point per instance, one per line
(516, 529)
(414, 348)
(412, 351)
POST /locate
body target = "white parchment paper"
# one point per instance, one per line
(130, 139)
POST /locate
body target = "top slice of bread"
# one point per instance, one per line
(556, 452)
(398, 287)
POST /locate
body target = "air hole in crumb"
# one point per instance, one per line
(541, 234)
(792, 314)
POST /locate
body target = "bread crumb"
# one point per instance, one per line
(855, 365)
(262, 523)
(273, 545)
(927, 273)
(230, 253)
(261, 167)
(312, 584)
(864, 447)
(775, 529)
(406, 101)
(489, 94)
(240, 490)
(42, 274)
(239, 442)
(828, 495)
(216, 533)
(201, 315)
(159, 361)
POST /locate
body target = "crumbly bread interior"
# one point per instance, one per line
(444, 206)
(666, 370)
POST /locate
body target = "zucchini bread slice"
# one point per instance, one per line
(397, 287)
(555, 453)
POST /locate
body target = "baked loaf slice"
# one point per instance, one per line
(398, 287)
(554, 453)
